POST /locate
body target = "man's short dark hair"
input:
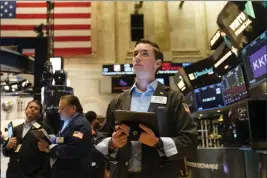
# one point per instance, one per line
(91, 116)
(157, 52)
(36, 102)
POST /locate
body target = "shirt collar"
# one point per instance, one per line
(29, 124)
(151, 86)
(68, 121)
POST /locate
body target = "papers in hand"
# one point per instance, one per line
(41, 134)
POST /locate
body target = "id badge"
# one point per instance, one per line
(18, 148)
(60, 140)
(36, 125)
(159, 99)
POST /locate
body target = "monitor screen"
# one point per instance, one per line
(209, 97)
(119, 84)
(201, 73)
(242, 21)
(167, 68)
(234, 86)
(164, 79)
(255, 60)
(161, 80)
(117, 69)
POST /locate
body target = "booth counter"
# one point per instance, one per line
(228, 163)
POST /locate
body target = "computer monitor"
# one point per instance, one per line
(255, 60)
(209, 97)
(119, 84)
(164, 79)
(201, 73)
(234, 86)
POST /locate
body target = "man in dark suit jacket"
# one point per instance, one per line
(151, 156)
(71, 149)
(25, 158)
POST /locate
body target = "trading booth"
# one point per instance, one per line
(226, 94)
(228, 97)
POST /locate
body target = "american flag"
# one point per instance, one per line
(72, 23)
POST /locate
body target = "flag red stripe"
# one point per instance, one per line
(57, 4)
(72, 51)
(33, 4)
(59, 16)
(56, 27)
(72, 38)
(72, 4)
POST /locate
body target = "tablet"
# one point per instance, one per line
(10, 129)
(133, 119)
(38, 134)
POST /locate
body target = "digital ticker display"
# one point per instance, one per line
(234, 86)
(167, 68)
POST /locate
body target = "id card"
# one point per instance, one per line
(36, 125)
(60, 140)
(159, 99)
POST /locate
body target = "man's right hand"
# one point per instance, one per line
(120, 136)
(12, 142)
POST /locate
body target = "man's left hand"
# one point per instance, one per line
(147, 137)
(43, 145)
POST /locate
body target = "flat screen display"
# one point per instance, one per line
(255, 60)
(119, 84)
(164, 79)
(234, 86)
(242, 21)
(209, 97)
(201, 73)
(167, 68)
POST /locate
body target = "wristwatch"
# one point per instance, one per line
(159, 145)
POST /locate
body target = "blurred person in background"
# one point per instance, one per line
(98, 160)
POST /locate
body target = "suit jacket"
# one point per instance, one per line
(173, 121)
(29, 161)
(73, 156)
